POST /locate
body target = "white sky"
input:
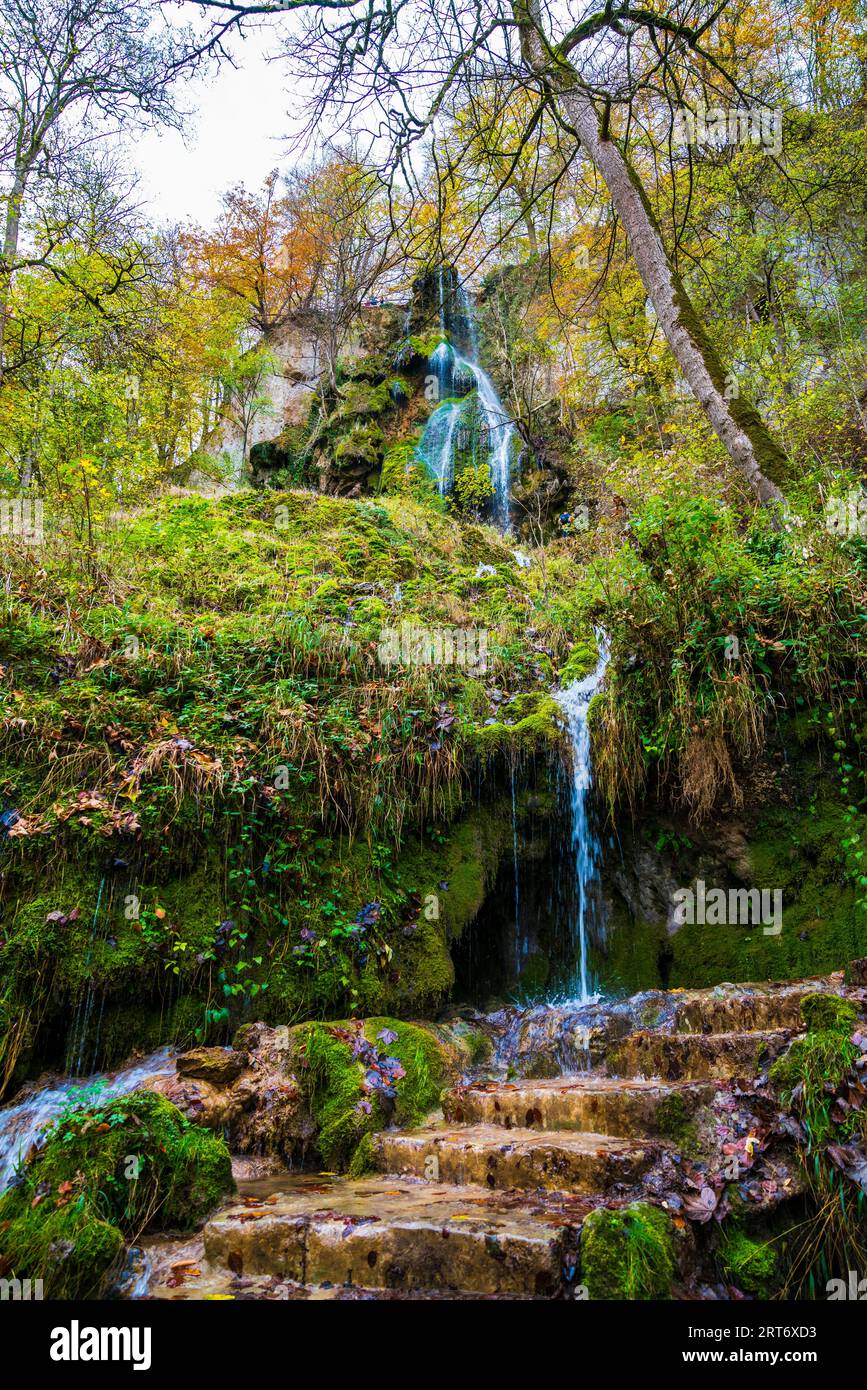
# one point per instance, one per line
(237, 134)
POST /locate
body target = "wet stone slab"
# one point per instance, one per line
(388, 1233)
(596, 1105)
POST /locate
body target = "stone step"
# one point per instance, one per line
(744, 1008)
(384, 1233)
(490, 1156)
(696, 1056)
(592, 1105)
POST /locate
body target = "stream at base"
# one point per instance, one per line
(22, 1123)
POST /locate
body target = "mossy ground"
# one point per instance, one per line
(103, 1176)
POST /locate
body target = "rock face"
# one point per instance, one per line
(289, 392)
(250, 1095)
(544, 1189)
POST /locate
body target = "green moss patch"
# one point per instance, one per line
(749, 1264)
(627, 1254)
(360, 1077)
(104, 1175)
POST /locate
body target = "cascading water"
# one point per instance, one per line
(575, 703)
(22, 1123)
(470, 409)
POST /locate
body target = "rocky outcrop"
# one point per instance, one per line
(249, 1094)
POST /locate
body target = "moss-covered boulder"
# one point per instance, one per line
(360, 1076)
(628, 1253)
(104, 1175)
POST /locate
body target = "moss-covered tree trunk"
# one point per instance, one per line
(738, 424)
(735, 420)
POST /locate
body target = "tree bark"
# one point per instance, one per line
(10, 252)
(737, 423)
(735, 420)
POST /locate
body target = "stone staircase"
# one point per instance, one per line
(489, 1199)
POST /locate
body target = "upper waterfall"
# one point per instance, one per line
(470, 422)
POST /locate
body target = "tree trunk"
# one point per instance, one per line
(750, 444)
(10, 251)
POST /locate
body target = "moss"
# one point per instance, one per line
(363, 444)
(828, 1013)
(581, 662)
(535, 974)
(363, 1160)
(627, 1254)
(480, 1048)
(361, 398)
(815, 1066)
(71, 1249)
(418, 348)
(673, 1122)
(749, 1264)
(404, 472)
(482, 546)
(399, 389)
(538, 726)
(371, 367)
(344, 1110)
(104, 1175)
(632, 953)
(256, 619)
(797, 850)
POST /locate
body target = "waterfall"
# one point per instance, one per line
(575, 702)
(23, 1122)
(470, 414)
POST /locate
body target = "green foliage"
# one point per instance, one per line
(814, 1066)
(713, 623)
(105, 1174)
(473, 488)
(819, 1079)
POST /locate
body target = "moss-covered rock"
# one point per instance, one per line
(530, 724)
(749, 1264)
(360, 1076)
(403, 471)
(627, 1253)
(823, 1012)
(104, 1175)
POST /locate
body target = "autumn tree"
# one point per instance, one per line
(403, 70)
(261, 254)
(340, 210)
